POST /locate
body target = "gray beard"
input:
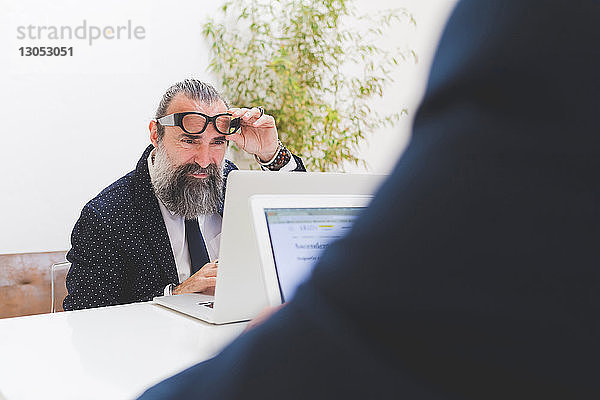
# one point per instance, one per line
(183, 194)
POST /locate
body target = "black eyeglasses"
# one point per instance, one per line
(195, 123)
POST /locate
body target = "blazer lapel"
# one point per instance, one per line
(227, 168)
(152, 220)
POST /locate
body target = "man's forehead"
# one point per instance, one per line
(182, 103)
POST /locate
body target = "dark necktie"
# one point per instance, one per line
(196, 246)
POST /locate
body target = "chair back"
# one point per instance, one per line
(58, 292)
(25, 283)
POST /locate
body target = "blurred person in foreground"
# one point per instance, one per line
(474, 272)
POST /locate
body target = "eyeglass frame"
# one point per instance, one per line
(176, 119)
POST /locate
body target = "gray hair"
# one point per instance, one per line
(191, 88)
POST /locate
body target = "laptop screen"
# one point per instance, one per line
(299, 236)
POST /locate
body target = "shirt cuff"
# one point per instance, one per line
(167, 291)
(290, 166)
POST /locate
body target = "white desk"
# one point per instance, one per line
(103, 353)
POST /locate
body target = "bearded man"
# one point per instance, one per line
(154, 231)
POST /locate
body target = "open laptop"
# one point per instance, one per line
(293, 231)
(240, 290)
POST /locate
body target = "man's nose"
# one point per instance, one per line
(202, 155)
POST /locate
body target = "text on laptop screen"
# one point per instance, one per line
(299, 236)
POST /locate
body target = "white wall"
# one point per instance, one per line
(382, 149)
(72, 125)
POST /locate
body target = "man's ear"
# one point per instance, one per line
(153, 133)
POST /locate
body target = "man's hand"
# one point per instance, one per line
(258, 134)
(203, 281)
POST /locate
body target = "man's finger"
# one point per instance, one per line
(209, 267)
(210, 274)
(207, 272)
(202, 272)
(266, 121)
(209, 282)
(251, 115)
(237, 112)
(212, 266)
(204, 284)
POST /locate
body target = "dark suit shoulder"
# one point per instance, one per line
(116, 199)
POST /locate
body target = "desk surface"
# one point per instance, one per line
(103, 353)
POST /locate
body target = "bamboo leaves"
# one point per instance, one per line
(310, 66)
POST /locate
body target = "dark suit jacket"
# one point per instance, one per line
(475, 271)
(121, 251)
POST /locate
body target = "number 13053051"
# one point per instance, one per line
(46, 51)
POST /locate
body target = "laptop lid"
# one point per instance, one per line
(240, 292)
(293, 231)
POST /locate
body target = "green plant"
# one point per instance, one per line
(308, 65)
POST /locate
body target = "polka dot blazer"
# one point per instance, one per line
(121, 251)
